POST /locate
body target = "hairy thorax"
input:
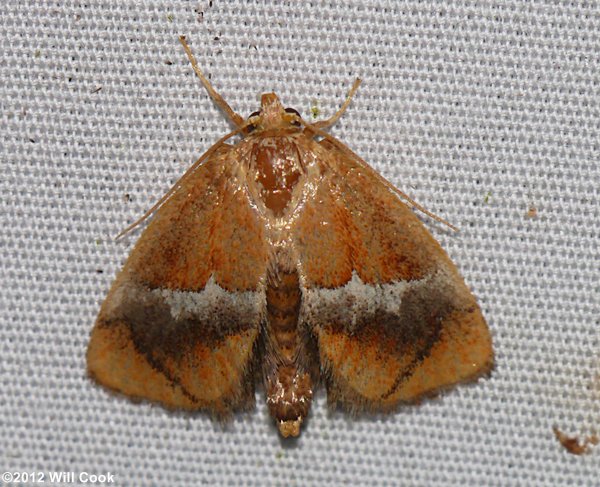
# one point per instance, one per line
(278, 173)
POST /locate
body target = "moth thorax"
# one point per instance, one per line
(278, 168)
(288, 386)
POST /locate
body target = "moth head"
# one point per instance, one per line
(272, 115)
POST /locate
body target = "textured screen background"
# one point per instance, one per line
(478, 109)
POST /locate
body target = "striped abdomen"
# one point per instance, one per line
(288, 387)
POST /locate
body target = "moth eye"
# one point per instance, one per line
(295, 112)
(252, 127)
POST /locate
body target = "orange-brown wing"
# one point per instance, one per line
(392, 316)
(180, 322)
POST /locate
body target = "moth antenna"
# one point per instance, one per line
(384, 181)
(331, 120)
(179, 182)
(235, 118)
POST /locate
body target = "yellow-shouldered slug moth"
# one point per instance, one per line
(286, 256)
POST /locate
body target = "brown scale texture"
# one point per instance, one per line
(283, 306)
(289, 388)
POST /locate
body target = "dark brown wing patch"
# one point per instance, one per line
(181, 321)
(393, 318)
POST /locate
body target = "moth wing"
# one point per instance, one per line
(180, 323)
(391, 314)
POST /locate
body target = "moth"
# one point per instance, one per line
(285, 258)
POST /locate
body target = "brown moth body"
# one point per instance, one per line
(278, 174)
(288, 256)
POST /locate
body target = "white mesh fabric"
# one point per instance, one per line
(478, 110)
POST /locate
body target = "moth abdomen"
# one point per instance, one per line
(283, 306)
(288, 386)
